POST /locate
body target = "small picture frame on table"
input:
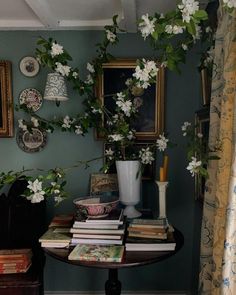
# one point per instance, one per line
(202, 121)
(150, 101)
(103, 183)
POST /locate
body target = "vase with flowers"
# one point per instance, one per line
(120, 137)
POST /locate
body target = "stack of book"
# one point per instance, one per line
(15, 261)
(108, 230)
(150, 235)
(58, 233)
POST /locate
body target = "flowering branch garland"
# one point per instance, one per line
(161, 30)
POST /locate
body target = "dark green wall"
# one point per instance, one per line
(182, 98)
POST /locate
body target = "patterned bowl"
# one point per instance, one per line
(96, 207)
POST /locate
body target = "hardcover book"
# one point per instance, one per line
(118, 231)
(75, 241)
(100, 253)
(85, 225)
(63, 220)
(51, 236)
(149, 223)
(15, 253)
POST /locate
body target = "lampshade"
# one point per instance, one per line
(55, 88)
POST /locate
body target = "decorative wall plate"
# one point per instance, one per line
(31, 142)
(32, 98)
(29, 66)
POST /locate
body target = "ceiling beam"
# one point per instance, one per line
(130, 15)
(43, 11)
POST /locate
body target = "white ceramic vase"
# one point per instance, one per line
(129, 181)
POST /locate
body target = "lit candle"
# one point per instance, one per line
(162, 176)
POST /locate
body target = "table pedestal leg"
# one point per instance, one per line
(113, 285)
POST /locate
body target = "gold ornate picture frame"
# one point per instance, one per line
(6, 100)
(150, 122)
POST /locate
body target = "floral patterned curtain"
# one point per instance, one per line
(218, 237)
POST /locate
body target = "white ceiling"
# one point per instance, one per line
(77, 14)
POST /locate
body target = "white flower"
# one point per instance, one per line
(35, 186)
(36, 197)
(53, 183)
(147, 26)
(116, 137)
(56, 49)
(184, 46)
(230, 3)
(146, 156)
(188, 9)
(89, 79)
(194, 166)
(130, 135)
(35, 121)
(125, 106)
(145, 73)
(48, 130)
(75, 75)
(78, 130)
(56, 191)
(208, 29)
(185, 126)
(22, 125)
(109, 153)
(95, 111)
(128, 82)
(178, 30)
(110, 36)
(197, 36)
(168, 29)
(200, 135)
(90, 68)
(63, 70)
(164, 64)
(162, 143)
(115, 118)
(67, 122)
(58, 199)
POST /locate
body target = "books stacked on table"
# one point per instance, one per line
(150, 235)
(15, 260)
(106, 230)
(101, 253)
(53, 239)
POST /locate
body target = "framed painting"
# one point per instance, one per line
(202, 120)
(150, 121)
(149, 170)
(6, 101)
(102, 183)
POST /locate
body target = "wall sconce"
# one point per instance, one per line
(55, 88)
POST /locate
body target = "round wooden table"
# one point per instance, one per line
(131, 259)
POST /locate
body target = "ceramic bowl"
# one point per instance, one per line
(96, 207)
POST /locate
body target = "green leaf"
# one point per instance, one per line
(200, 15)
